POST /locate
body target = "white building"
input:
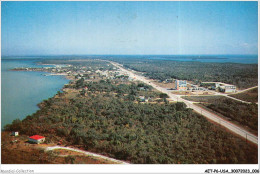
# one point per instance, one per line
(226, 88)
(15, 134)
(223, 87)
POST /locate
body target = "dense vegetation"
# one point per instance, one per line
(250, 96)
(140, 133)
(128, 92)
(245, 114)
(241, 75)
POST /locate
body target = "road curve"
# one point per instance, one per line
(232, 127)
(85, 153)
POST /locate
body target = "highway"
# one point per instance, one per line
(232, 127)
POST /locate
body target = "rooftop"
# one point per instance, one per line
(36, 137)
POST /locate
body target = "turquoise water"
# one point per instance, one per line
(21, 91)
(244, 59)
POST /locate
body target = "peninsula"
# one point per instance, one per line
(116, 112)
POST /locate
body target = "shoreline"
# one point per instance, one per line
(71, 97)
(74, 148)
(43, 70)
(35, 107)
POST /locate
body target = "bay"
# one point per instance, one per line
(21, 91)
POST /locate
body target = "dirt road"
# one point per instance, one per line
(86, 153)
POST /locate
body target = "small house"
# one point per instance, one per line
(36, 139)
(141, 88)
(15, 134)
(141, 98)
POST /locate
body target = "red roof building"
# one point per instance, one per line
(36, 139)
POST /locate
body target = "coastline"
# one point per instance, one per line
(65, 110)
(43, 70)
(99, 158)
(26, 90)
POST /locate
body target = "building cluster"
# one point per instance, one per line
(221, 87)
(92, 74)
(182, 85)
(116, 74)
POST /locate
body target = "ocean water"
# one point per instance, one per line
(244, 59)
(21, 91)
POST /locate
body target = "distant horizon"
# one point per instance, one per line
(244, 59)
(129, 55)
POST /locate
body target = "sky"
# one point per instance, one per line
(129, 28)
